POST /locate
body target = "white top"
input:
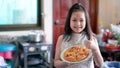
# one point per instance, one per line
(78, 39)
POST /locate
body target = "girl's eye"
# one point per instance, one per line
(81, 20)
(78, 20)
(74, 20)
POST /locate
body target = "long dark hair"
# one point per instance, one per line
(68, 31)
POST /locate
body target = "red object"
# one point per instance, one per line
(112, 48)
(6, 55)
(109, 33)
(105, 37)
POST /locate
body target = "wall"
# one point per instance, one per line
(109, 12)
(48, 20)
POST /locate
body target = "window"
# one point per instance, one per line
(20, 14)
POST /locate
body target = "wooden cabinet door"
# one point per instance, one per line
(60, 10)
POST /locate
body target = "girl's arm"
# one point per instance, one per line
(93, 45)
(97, 55)
(57, 62)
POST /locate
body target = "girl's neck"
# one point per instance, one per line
(76, 33)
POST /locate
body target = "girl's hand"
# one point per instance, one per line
(61, 64)
(91, 44)
(67, 64)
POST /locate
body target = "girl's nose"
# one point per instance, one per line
(78, 23)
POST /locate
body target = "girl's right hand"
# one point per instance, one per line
(61, 64)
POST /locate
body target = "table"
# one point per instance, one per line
(110, 54)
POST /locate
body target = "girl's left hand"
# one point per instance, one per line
(91, 44)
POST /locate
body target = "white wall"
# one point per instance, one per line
(48, 20)
(47, 23)
(109, 12)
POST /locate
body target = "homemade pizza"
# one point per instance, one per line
(75, 53)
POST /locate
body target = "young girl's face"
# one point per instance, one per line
(77, 21)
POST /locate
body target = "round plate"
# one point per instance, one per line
(90, 54)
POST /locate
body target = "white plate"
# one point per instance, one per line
(90, 54)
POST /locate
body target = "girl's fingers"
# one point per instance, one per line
(87, 43)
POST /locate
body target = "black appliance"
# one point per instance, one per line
(35, 55)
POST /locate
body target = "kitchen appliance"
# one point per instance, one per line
(36, 36)
(36, 55)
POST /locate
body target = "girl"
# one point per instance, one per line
(78, 31)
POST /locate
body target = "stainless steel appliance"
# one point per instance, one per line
(36, 37)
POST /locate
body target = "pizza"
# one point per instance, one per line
(75, 53)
